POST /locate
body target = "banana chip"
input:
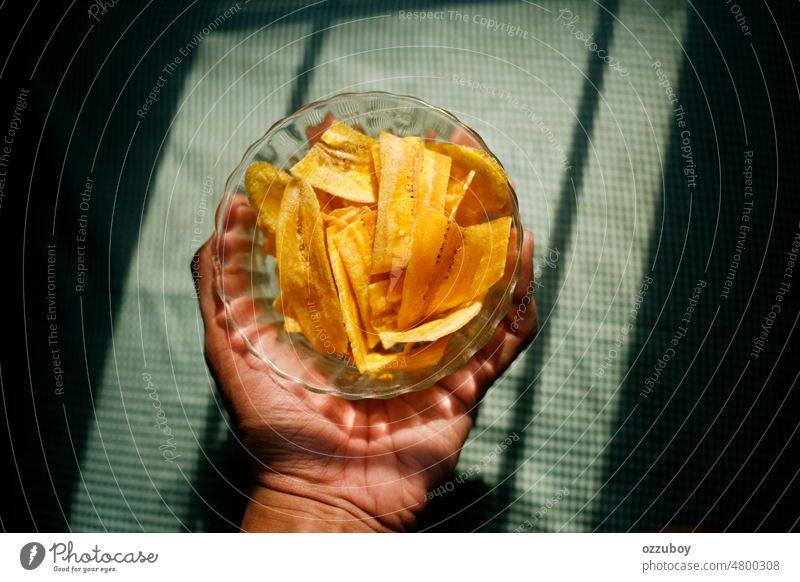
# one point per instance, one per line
(433, 330)
(354, 246)
(352, 320)
(384, 304)
(327, 202)
(478, 263)
(436, 239)
(416, 359)
(380, 301)
(492, 239)
(264, 185)
(341, 165)
(457, 188)
(434, 180)
(291, 325)
(349, 141)
(376, 160)
(341, 218)
(401, 161)
(306, 284)
(488, 191)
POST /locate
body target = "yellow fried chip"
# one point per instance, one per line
(376, 160)
(291, 325)
(434, 180)
(350, 142)
(264, 185)
(350, 315)
(494, 235)
(341, 164)
(337, 176)
(396, 289)
(478, 263)
(305, 279)
(327, 202)
(354, 244)
(352, 146)
(488, 192)
(435, 241)
(401, 160)
(416, 359)
(457, 188)
(384, 305)
(379, 299)
(435, 329)
(341, 218)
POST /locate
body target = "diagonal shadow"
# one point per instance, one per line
(52, 430)
(562, 229)
(480, 503)
(712, 443)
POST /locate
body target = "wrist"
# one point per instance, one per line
(273, 509)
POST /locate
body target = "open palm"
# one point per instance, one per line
(371, 460)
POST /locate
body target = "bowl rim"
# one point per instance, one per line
(392, 391)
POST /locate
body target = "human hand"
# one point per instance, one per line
(322, 463)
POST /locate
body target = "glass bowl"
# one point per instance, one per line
(249, 308)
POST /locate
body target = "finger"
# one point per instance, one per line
(521, 322)
(461, 137)
(238, 220)
(220, 345)
(314, 132)
(521, 319)
(203, 274)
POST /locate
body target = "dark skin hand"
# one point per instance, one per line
(322, 463)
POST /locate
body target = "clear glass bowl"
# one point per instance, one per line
(250, 311)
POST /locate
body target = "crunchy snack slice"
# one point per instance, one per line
(291, 325)
(416, 359)
(488, 191)
(341, 164)
(264, 185)
(354, 245)
(401, 160)
(435, 241)
(327, 202)
(350, 315)
(478, 263)
(379, 300)
(456, 190)
(435, 329)
(434, 178)
(383, 305)
(341, 218)
(376, 160)
(352, 144)
(493, 237)
(308, 292)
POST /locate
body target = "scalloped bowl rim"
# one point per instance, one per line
(476, 343)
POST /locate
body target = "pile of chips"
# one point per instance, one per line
(383, 247)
